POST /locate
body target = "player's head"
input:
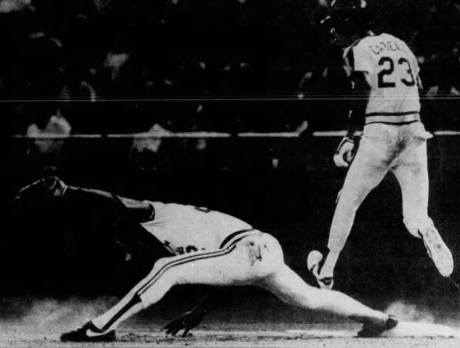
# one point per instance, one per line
(348, 20)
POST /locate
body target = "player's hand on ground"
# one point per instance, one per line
(345, 153)
(186, 322)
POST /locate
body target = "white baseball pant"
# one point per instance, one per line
(256, 259)
(400, 149)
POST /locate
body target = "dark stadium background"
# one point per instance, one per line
(216, 66)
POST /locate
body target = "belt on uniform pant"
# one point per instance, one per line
(393, 118)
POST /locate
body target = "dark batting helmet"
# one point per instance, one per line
(348, 17)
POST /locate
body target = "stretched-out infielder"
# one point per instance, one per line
(385, 78)
(115, 222)
(213, 248)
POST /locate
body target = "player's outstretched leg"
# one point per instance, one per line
(250, 259)
(290, 288)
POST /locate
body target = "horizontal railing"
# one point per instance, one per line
(200, 135)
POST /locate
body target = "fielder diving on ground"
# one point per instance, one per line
(208, 248)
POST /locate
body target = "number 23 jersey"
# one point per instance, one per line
(391, 69)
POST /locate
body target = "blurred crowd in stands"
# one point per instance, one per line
(164, 66)
(95, 66)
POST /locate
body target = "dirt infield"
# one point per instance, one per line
(314, 336)
(266, 323)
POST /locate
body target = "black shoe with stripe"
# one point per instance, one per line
(89, 333)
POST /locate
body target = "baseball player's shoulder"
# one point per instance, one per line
(359, 48)
(166, 210)
(350, 48)
(353, 54)
(369, 38)
(155, 204)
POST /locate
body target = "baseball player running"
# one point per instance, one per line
(211, 248)
(384, 74)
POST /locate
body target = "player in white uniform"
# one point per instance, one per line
(184, 229)
(213, 248)
(385, 76)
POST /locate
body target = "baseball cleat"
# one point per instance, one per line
(438, 251)
(375, 330)
(314, 264)
(89, 333)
